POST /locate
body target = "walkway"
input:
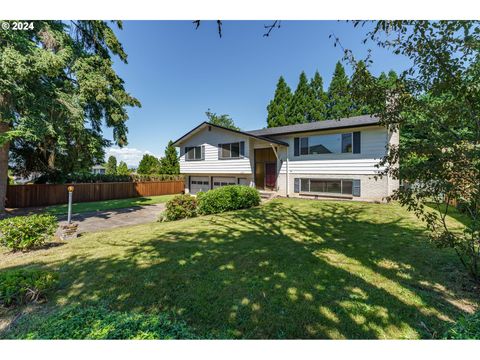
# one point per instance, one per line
(104, 220)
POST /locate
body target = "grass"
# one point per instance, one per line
(289, 269)
(107, 204)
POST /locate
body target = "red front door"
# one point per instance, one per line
(270, 175)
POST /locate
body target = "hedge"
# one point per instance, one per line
(227, 198)
(99, 178)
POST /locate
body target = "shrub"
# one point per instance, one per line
(25, 285)
(467, 327)
(99, 322)
(226, 198)
(181, 207)
(26, 232)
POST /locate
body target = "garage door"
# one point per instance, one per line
(199, 183)
(223, 181)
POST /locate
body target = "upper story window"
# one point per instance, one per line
(328, 144)
(194, 153)
(234, 150)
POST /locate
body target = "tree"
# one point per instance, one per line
(278, 107)
(221, 120)
(58, 88)
(360, 107)
(340, 103)
(148, 165)
(438, 98)
(111, 165)
(318, 100)
(170, 164)
(298, 110)
(122, 168)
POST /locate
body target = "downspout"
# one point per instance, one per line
(287, 190)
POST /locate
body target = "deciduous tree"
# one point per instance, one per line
(221, 120)
(122, 168)
(438, 98)
(148, 165)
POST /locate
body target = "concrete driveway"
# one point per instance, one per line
(104, 220)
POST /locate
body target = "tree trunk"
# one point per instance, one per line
(3, 166)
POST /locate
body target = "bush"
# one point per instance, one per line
(181, 207)
(99, 322)
(227, 198)
(26, 285)
(26, 232)
(466, 328)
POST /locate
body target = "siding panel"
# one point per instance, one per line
(211, 164)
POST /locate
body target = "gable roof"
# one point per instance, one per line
(206, 123)
(351, 122)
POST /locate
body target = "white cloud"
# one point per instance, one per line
(131, 156)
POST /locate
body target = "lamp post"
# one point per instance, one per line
(70, 196)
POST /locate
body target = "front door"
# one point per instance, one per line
(270, 175)
(259, 175)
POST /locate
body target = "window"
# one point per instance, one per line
(325, 186)
(194, 153)
(347, 143)
(327, 144)
(232, 150)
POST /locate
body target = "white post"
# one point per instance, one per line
(70, 196)
(69, 220)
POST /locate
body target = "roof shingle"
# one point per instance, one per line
(356, 121)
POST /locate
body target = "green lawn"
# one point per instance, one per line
(289, 269)
(108, 204)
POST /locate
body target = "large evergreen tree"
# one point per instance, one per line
(278, 107)
(340, 103)
(111, 165)
(148, 165)
(317, 104)
(360, 73)
(170, 164)
(300, 105)
(57, 89)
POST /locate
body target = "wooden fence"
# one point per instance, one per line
(19, 196)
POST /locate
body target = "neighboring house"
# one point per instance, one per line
(331, 158)
(98, 170)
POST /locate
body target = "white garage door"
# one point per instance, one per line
(199, 183)
(223, 181)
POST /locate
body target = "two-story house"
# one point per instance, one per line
(331, 158)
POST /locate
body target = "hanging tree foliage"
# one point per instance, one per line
(57, 89)
(438, 100)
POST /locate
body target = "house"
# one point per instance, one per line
(98, 170)
(331, 158)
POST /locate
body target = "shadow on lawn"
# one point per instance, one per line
(280, 272)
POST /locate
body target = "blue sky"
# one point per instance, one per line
(178, 72)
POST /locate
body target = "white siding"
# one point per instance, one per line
(211, 164)
(372, 149)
